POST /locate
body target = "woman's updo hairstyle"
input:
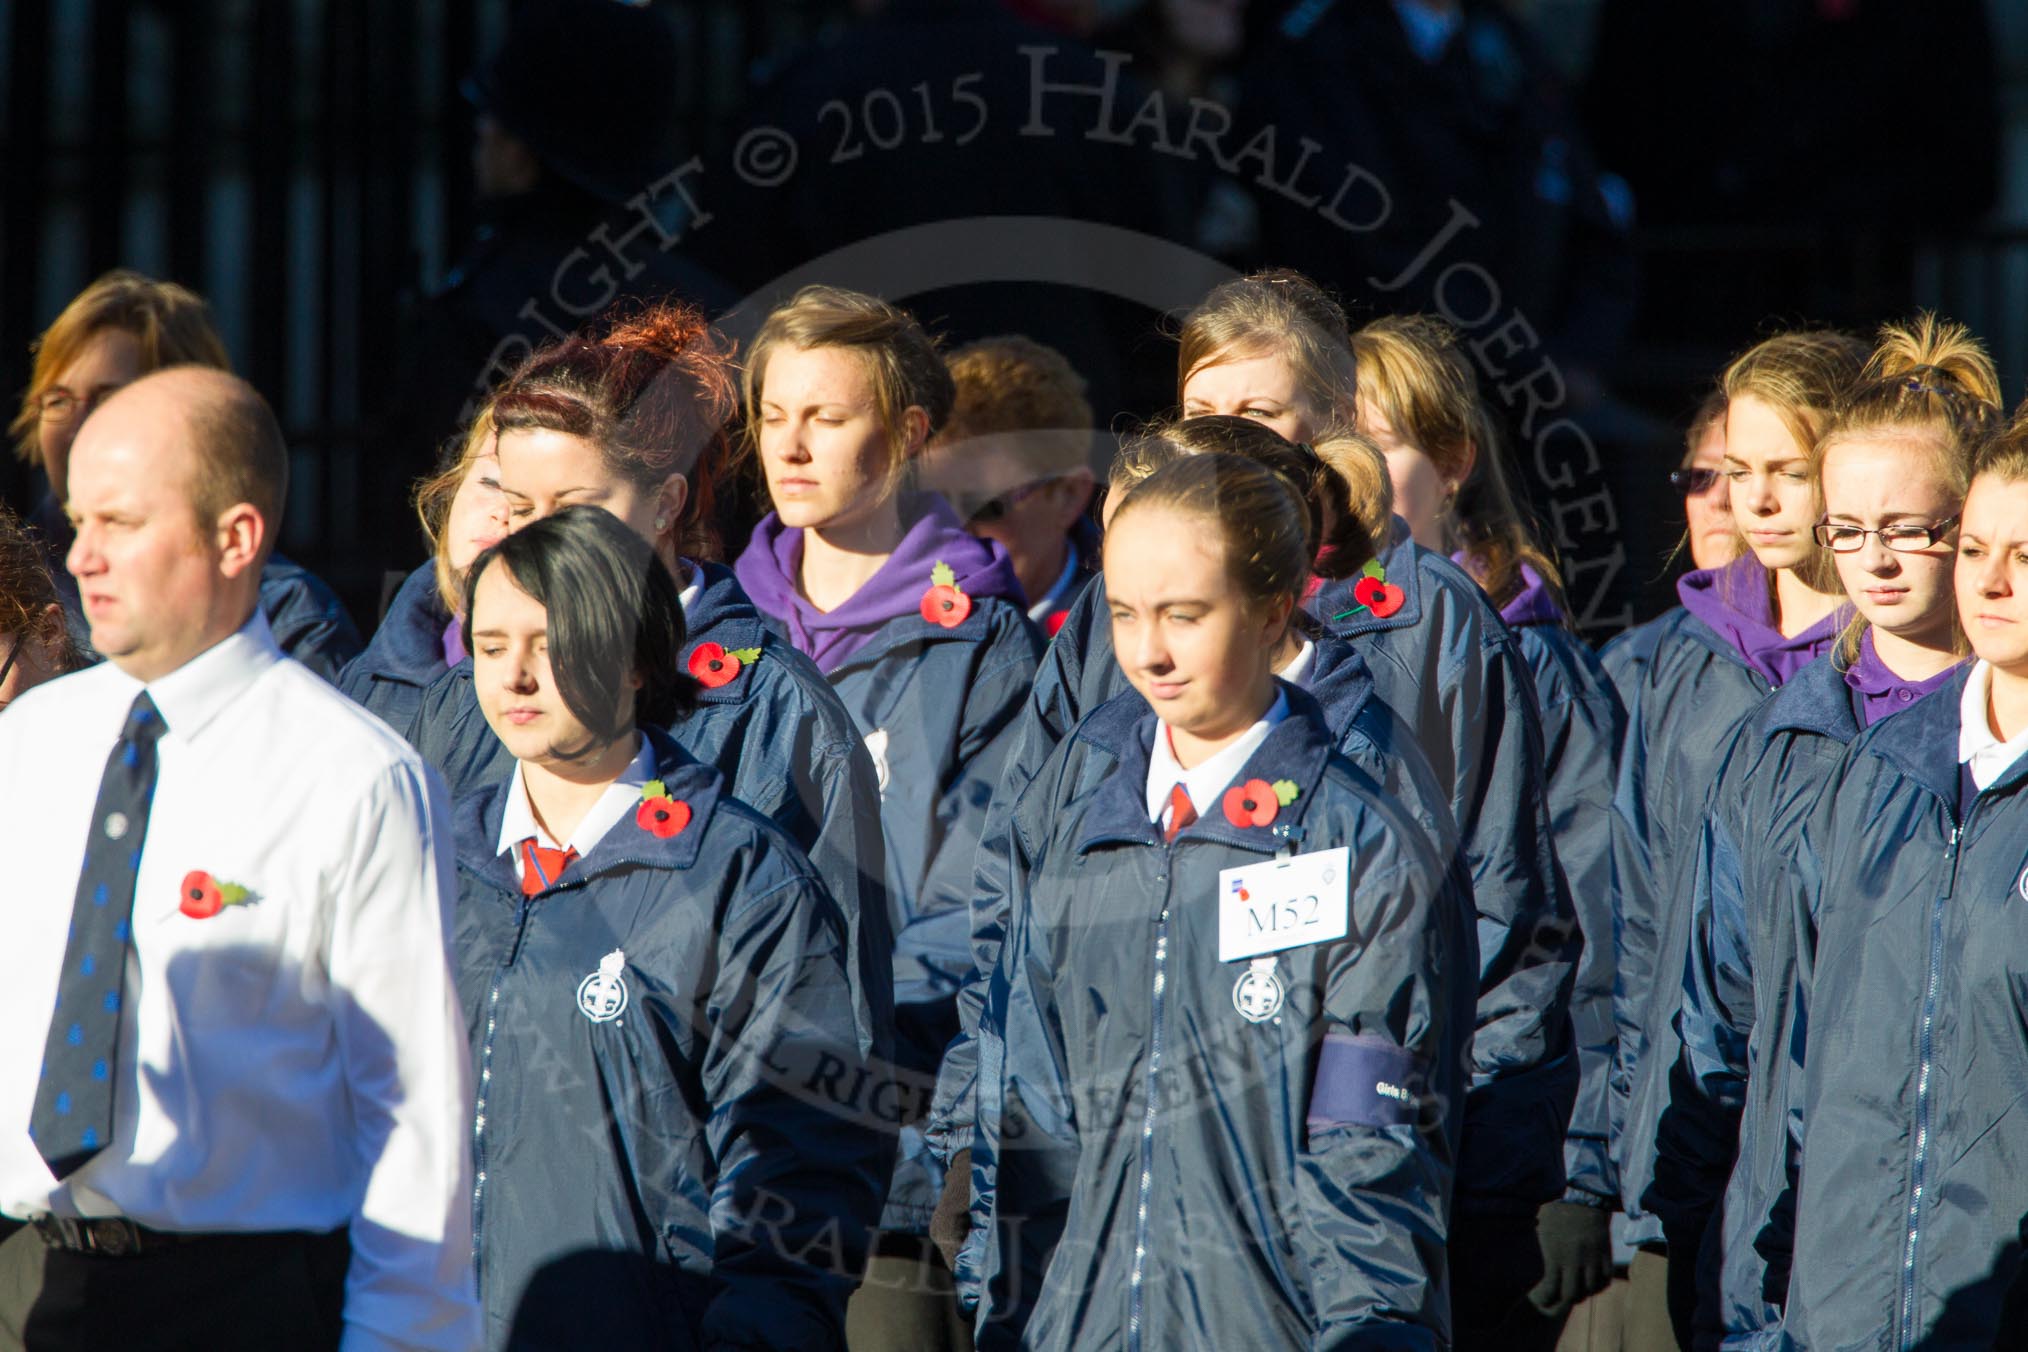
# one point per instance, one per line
(1928, 380)
(1258, 514)
(27, 594)
(613, 609)
(653, 391)
(1339, 551)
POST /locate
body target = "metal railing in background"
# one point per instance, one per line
(303, 163)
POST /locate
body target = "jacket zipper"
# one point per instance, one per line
(1160, 983)
(486, 1075)
(1925, 1068)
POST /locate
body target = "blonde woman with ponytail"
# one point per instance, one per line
(1419, 401)
(1892, 462)
(1912, 962)
(1741, 632)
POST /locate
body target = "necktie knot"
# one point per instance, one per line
(542, 866)
(1182, 812)
(144, 722)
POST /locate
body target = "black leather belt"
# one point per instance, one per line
(107, 1236)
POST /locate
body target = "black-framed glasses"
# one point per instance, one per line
(1911, 538)
(1690, 482)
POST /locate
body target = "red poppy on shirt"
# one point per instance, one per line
(713, 665)
(659, 814)
(945, 603)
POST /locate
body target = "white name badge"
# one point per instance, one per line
(1284, 903)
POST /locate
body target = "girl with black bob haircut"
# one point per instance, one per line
(650, 971)
(615, 623)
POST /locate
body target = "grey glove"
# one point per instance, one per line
(1577, 1255)
(951, 1224)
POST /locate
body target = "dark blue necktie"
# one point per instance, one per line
(73, 1117)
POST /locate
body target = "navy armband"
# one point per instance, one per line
(1366, 1081)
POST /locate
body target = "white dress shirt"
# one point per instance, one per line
(1208, 779)
(1301, 667)
(295, 1063)
(621, 800)
(1978, 749)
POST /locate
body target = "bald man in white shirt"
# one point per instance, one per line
(234, 1096)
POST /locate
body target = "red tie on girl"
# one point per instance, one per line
(1182, 812)
(541, 867)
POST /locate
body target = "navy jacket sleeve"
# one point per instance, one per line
(1050, 708)
(1376, 1192)
(1582, 727)
(309, 622)
(799, 1178)
(1525, 1078)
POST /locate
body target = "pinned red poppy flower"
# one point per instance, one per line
(203, 896)
(714, 665)
(1376, 593)
(1391, 599)
(1252, 804)
(659, 814)
(945, 603)
(1054, 624)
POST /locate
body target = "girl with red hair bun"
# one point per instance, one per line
(631, 418)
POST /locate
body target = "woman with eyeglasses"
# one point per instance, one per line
(120, 328)
(1912, 962)
(1741, 632)
(1893, 464)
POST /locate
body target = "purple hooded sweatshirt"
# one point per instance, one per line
(1735, 602)
(1533, 604)
(1881, 692)
(772, 562)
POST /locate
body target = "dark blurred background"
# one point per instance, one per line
(1609, 196)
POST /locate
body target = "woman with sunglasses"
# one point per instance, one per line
(1709, 535)
(1893, 464)
(1740, 633)
(1911, 977)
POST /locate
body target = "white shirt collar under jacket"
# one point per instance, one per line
(1058, 595)
(621, 798)
(1209, 778)
(1978, 749)
(1302, 668)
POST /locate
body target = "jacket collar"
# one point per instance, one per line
(1341, 614)
(1124, 727)
(1340, 681)
(409, 644)
(908, 630)
(1815, 700)
(690, 781)
(725, 615)
(1923, 744)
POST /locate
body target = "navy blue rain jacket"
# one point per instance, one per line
(1164, 1172)
(1583, 725)
(937, 708)
(1722, 1140)
(662, 1154)
(1686, 705)
(778, 734)
(1368, 734)
(1454, 672)
(1914, 980)
(309, 621)
(405, 655)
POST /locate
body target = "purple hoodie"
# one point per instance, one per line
(1533, 604)
(772, 563)
(1881, 692)
(1734, 601)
